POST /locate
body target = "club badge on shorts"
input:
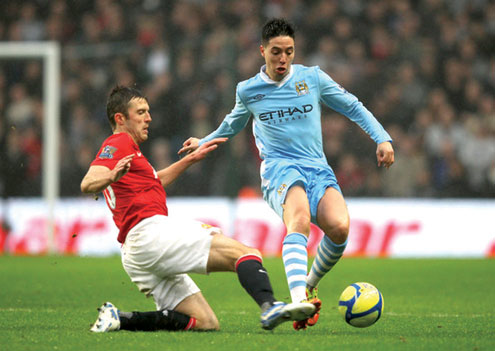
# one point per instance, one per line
(281, 189)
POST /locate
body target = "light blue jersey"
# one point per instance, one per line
(287, 126)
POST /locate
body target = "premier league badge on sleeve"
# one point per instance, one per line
(108, 152)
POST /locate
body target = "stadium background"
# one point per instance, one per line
(426, 69)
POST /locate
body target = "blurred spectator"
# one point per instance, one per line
(200, 113)
(350, 175)
(20, 110)
(406, 177)
(14, 165)
(412, 92)
(448, 174)
(478, 154)
(82, 156)
(445, 129)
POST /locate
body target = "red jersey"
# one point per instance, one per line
(139, 194)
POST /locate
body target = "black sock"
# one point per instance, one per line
(155, 320)
(254, 279)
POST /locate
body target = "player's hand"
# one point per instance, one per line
(189, 145)
(385, 154)
(122, 167)
(201, 152)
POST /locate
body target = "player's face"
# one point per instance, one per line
(278, 54)
(138, 120)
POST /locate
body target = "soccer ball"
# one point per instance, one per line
(361, 304)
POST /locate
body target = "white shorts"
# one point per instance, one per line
(159, 251)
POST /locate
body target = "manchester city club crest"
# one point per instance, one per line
(302, 88)
(281, 189)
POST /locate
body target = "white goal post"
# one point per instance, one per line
(49, 52)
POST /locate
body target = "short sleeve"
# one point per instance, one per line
(113, 149)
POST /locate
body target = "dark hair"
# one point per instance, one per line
(276, 27)
(118, 101)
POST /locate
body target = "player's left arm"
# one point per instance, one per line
(340, 100)
(171, 173)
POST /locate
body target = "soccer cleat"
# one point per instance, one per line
(312, 298)
(281, 312)
(108, 319)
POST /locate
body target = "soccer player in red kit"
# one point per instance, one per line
(158, 251)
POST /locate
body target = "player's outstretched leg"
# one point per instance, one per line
(254, 278)
(111, 319)
(279, 312)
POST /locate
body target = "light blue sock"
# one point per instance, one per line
(327, 256)
(295, 257)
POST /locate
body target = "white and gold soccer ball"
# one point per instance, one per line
(361, 304)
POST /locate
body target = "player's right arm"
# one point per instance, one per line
(98, 178)
(232, 124)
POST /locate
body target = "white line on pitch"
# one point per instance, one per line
(437, 315)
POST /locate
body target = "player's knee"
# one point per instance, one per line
(300, 223)
(207, 323)
(206, 320)
(244, 250)
(338, 231)
(252, 251)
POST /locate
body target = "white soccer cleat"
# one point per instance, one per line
(108, 319)
(281, 312)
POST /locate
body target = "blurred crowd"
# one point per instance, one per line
(426, 69)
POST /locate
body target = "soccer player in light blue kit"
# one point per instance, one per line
(296, 180)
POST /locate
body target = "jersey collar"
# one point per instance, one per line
(268, 80)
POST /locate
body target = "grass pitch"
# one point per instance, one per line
(48, 303)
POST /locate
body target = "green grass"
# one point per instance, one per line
(48, 303)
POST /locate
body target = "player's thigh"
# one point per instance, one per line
(332, 215)
(224, 253)
(166, 246)
(278, 177)
(196, 306)
(297, 214)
